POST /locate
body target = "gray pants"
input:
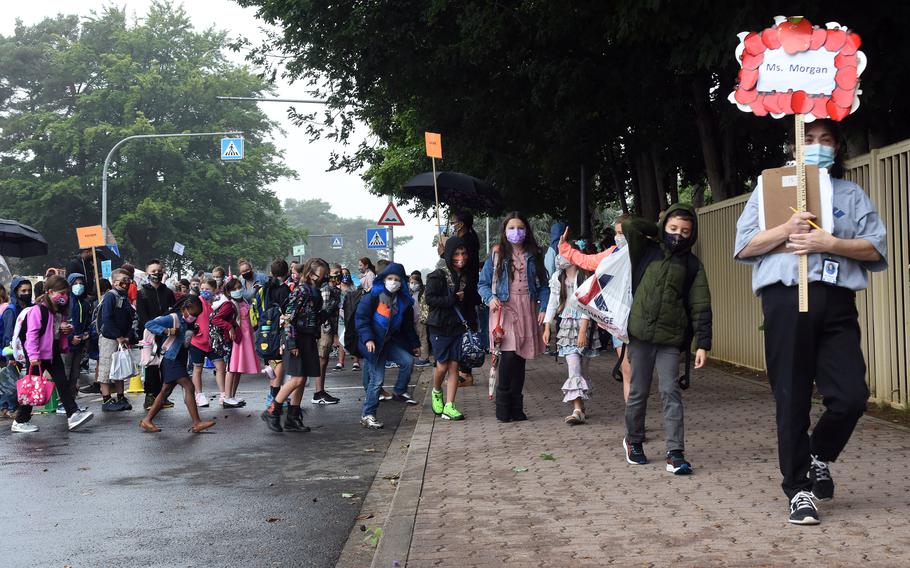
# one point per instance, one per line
(644, 357)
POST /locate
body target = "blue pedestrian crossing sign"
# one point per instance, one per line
(232, 148)
(337, 241)
(377, 238)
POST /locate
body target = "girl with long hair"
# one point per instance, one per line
(515, 286)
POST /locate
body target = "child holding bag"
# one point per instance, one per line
(177, 327)
(577, 340)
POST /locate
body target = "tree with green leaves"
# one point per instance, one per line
(525, 93)
(73, 87)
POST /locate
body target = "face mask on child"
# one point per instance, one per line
(819, 155)
(392, 286)
(189, 318)
(516, 235)
(621, 241)
(236, 294)
(78, 289)
(205, 294)
(414, 287)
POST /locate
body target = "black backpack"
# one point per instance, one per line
(268, 334)
(350, 325)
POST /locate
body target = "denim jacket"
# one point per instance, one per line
(538, 292)
(160, 325)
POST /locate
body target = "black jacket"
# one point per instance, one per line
(153, 302)
(439, 294)
(86, 268)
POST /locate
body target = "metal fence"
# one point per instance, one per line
(885, 174)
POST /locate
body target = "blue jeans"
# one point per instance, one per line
(374, 374)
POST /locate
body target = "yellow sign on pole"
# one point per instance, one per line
(90, 236)
(434, 145)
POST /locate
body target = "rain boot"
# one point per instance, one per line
(272, 417)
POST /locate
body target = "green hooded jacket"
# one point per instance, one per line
(660, 313)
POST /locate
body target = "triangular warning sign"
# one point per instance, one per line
(390, 216)
(231, 150)
(377, 241)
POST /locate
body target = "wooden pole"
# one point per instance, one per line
(436, 192)
(97, 279)
(801, 206)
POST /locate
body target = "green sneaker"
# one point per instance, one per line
(451, 413)
(437, 402)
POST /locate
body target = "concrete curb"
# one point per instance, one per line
(398, 529)
(380, 497)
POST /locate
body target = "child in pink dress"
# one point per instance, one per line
(243, 353)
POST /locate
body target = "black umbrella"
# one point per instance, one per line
(455, 189)
(20, 241)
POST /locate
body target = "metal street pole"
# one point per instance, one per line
(107, 162)
(274, 100)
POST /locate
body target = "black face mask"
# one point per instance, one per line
(155, 277)
(675, 241)
(247, 275)
(24, 298)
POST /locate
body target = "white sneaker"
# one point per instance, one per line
(61, 410)
(24, 427)
(369, 421)
(201, 400)
(78, 419)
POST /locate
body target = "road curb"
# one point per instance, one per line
(382, 496)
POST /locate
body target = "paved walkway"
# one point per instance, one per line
(587, 507)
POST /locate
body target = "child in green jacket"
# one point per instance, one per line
(670, 302)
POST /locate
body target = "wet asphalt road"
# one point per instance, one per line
(237, 495)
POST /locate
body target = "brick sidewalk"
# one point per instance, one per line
(589, 508)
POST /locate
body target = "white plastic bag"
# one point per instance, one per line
(607, 295)
(122, 364)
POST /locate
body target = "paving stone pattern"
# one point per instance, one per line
(588, 507)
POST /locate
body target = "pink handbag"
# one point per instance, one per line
(34, 390)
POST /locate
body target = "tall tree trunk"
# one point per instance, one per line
(647, 185)
(732, 188)
(698, 196)
(635, 180)
(673, 183)
(619, 185)
(660, 178)
(704, 119)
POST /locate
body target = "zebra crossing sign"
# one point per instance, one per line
(232, 148)
(377, 238)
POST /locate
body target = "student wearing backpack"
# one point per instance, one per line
(115, 325)
(153, 300)
(420, 314)
(47, 326)
(301, 322)
(81, 321)
(446, 295)
(347, 329)
(670, 296)
(265, 312)
(331, 306)
(385, 330)
(20, 299)
(202, 347)
(515, 285)
(243, 359)
(177, 328)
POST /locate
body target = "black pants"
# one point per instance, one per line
(153, 379)
(823, 346)
(57, 371)
(510, 381)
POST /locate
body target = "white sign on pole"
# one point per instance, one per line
(809, 71)
(391, 216)
(299, 250)
(178, 248)
(232, 148)
(337, 241)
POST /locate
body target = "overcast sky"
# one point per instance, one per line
(346, 192)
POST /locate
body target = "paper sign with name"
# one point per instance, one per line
(794, 67)
(90, 236)
(105, 269)
(178, 248)
(434, 145)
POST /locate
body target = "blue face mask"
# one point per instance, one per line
(205, 294)
(819, 155)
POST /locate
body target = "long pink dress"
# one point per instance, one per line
(519, 315)
(243, 353)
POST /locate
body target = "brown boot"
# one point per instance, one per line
(465, 379)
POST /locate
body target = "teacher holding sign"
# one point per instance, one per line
(823, 344)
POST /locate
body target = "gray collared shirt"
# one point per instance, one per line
(855, 217)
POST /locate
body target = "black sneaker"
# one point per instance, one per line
(803, 510)
(822, 484)
(403, 397)
(149, 401)
(125, 403)
(324, 398)
(111, 405)
(94, 388)
(635, 453)
(677, 464)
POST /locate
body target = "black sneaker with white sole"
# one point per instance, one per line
(324, 398)
(635, 453)
(820, 475)
(677, 464)
(803, 510)
(403, 397)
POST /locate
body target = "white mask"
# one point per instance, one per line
(620, 241)
(415, 287)
(392, 286)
